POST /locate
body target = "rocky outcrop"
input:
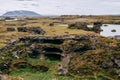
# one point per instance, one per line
(10, 45)
(42, 47)
(10, 29)
(79, 25)
(63, 66)
(80, 55)
(34, 30)
(53, 39)
(40, 68)
(97, 27)
(82, 25)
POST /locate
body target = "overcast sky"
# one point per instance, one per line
(58, 7)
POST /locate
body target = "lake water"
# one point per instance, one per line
(107, 30)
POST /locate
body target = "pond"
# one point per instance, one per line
(110, 30)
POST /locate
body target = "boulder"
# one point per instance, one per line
(22, 29)
(97, 27)
(78, 25)
(34, 30)
(21, 65)
(4, 68)
(10, 29)
(51, 24)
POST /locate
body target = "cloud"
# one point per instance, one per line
(27, 3)
(111, 0)
(63, 6)
(25, 0)
(35, 5)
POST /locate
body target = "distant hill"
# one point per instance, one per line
(21, 13)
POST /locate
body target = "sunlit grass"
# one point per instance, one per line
(29, 74)
(6, 36)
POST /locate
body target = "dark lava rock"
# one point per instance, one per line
(10, 29)
(87, 54)
(21, 65)
(51, 24)
(4, 67)
(22, 29)
(79, 25)
(40, 68)
(97, 27)
(34, 30)
(113, 30)
(97, 23)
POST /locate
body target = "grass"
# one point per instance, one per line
(6, 36)
(56, 30)
(45, 62)
(61, 30)
(29, 74)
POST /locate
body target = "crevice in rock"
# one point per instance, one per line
(52, 50)
(40, 68)
(57, 41)
(22, 65)
(81, 50)
(53, 56)
(34, 54)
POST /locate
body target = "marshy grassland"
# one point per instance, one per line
(56, 30)
(5, 36)
(92, 56)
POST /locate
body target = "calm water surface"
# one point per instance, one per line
(107, 30)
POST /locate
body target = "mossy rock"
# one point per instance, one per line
(113, 30)
(21, 65)
(4, 68)
(40, 68)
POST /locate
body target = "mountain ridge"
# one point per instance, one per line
(21, 13)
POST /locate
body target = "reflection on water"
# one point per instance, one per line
(107, 30)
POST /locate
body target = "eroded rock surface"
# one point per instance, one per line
(80, 55)
(79, 25)
(35, 30)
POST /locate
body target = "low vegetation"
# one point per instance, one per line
(60, 53)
